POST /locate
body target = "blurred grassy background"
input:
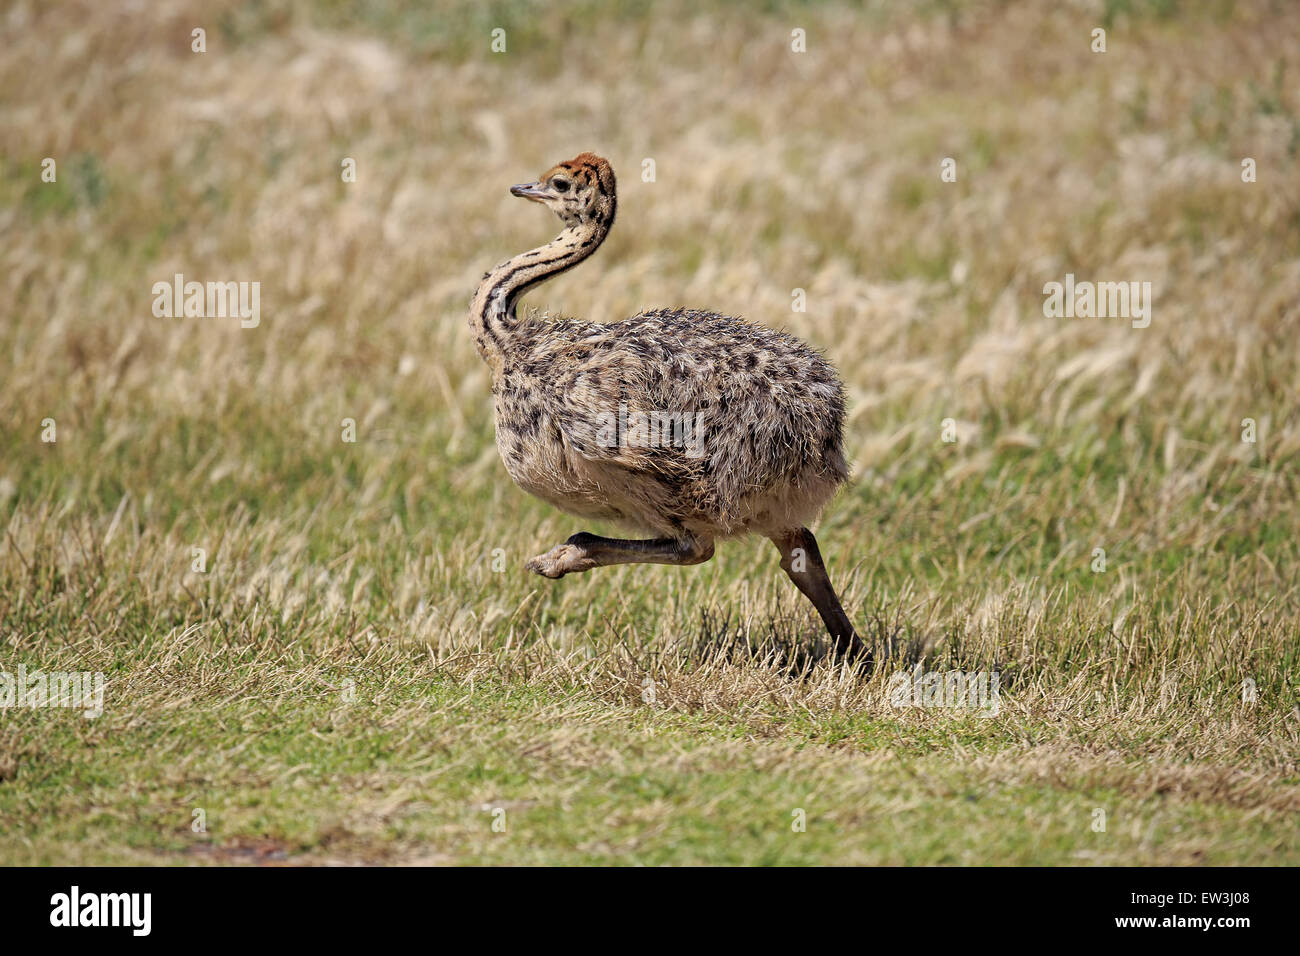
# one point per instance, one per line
(775, 170)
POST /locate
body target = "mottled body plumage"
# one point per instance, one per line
(767, 412)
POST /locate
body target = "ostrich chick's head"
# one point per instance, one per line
(578, 191)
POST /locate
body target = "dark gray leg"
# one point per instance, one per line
(801, 559)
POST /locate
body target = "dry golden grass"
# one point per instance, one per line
(373, 562)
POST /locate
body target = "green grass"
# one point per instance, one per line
(417, 767)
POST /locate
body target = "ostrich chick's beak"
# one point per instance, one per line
(534, 191)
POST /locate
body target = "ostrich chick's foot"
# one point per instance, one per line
(561, 560)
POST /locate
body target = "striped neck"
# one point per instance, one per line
(492, 313)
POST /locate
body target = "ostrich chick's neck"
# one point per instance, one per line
(492, 313)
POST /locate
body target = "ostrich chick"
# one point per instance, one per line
(690, 425)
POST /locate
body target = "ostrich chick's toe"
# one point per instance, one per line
(561, 560)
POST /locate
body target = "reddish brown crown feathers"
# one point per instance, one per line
(588, 168)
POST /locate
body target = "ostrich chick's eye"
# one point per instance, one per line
(561, 185)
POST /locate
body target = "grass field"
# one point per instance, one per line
(362, 671)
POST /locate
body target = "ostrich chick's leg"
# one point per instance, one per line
(584, 551)
(801, 560)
